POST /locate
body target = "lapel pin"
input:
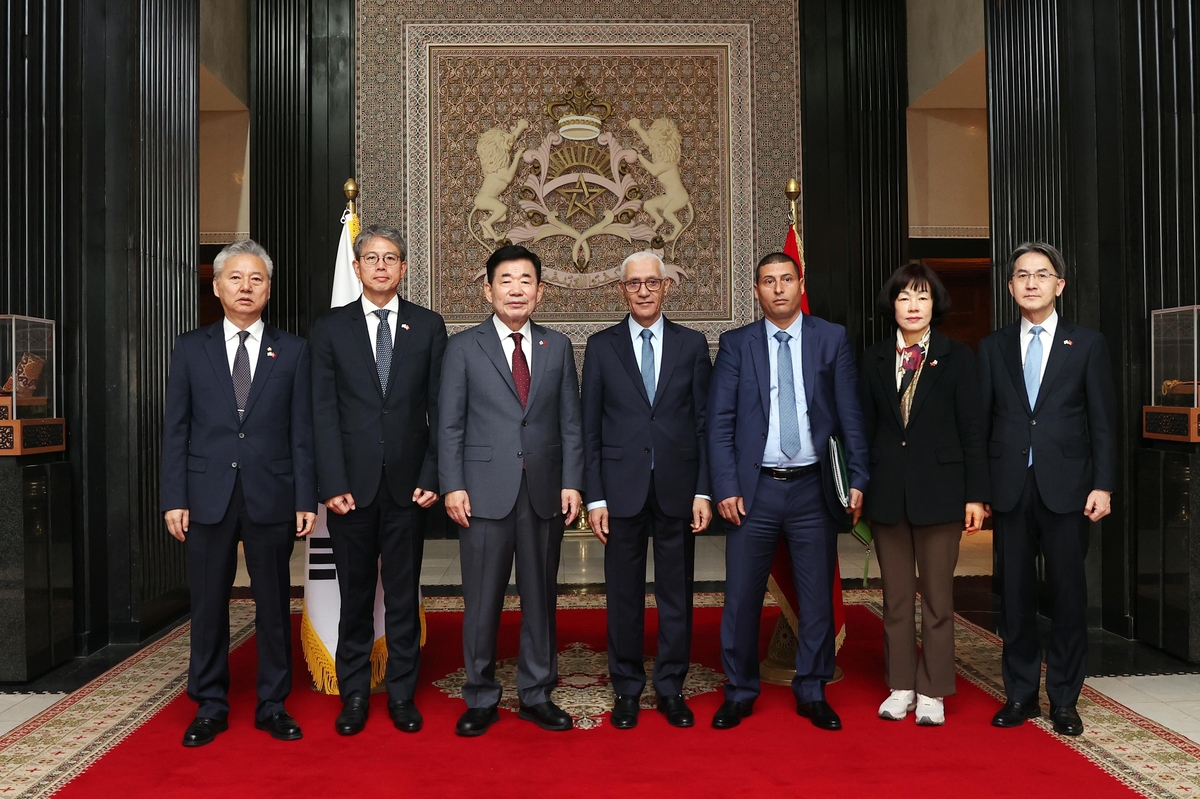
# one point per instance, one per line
(541, 343)
(270, 352)
(933, 362)
(405, 326)
(1068, 342)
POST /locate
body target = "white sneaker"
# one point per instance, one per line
(930, 711)
(896, 706)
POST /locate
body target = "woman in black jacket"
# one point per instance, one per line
(929, 480)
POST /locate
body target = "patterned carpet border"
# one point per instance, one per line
(47, 751)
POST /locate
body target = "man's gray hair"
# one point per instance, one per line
(380, 232)
(246, 247)
(644, 255)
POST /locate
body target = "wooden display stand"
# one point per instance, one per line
(29, 436)
(1167, 423)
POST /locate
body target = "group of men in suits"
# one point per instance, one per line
(380, 414)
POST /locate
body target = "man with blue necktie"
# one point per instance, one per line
(1049, 402)
(780, 388)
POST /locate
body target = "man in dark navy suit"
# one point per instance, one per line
(645, 385)
(780, 388)
(237, 463)
(1050, 405)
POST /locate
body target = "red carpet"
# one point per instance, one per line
(773, 753)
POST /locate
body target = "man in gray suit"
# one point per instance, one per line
(510, 462)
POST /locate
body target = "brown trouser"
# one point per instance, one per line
(903, 549)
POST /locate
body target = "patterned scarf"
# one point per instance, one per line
(912, 359)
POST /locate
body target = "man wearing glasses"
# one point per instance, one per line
(1049, 401)
(377, 366)
(645, 384)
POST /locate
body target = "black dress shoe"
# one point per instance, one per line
(476, 721)
(1013, 714)
(353, 717)
(730, 714)
(203, 731)
(625, 712)
(676, 710)
(1066, 720)
(547, 715)
(281, 726)
(820, 714)
(405, 716)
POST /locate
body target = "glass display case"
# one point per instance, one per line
(29, 418)
(1175, 395)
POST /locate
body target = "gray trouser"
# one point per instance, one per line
(486, 550)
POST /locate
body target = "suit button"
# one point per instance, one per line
(764, 435)
(520, 454)
(524, 423)
(235, 464)
(756, 466)
(381, 441)
(1033, 421)
(1024, 452)
(385, 410)
(904, 443)
(647, 449)
(652, 417)
(241, 435)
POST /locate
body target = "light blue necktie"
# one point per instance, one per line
(789, 422)
(648, 364)
(1033, 372)
(383, 350)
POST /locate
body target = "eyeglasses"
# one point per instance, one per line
(1041, 276)
(634, 286)
(372, 258)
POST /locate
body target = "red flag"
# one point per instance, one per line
(781, 568)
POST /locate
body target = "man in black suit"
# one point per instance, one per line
(237, 463)
(1048, 397)
(645, 385)
(377, 365)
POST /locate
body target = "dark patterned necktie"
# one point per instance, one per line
(520, 369)
(241, 374)
(383, 350)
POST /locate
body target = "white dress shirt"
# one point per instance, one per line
(773, 455)
(370, 309)
(253, 343)
(1047, 339)
(509, 344)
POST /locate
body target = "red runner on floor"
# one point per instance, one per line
(773, 753)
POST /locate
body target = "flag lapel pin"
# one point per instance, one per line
(405, 326)
(541, 343)
(270, 352)
(1068, 342)
(933, 362)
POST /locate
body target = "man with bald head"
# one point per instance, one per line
(645, 384)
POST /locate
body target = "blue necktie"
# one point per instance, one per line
(1033, 372)
(383, 350)
(789, 422)
(648, 364)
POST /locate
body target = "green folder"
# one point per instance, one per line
(841, 484)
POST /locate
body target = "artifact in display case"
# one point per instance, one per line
(1174, 414)
(29, 421)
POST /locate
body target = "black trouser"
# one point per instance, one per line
(625, 579)
(212, 565)
(380, 541)
(1062, 539)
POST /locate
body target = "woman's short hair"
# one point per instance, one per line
(920, 277)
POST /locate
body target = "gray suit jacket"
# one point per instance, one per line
(485, 435)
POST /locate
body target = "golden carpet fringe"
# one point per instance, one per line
(323, 667)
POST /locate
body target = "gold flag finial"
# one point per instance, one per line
(792, 190)
(350, 189)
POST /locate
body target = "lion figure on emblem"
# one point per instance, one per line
(664, 142)
(493, 148)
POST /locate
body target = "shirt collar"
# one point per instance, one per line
(255, 330)
(1049, 326)
(504, 332)
(794, 328)
(369, 307)
(656, 329)
(924, 342)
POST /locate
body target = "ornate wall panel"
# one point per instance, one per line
(428, 90)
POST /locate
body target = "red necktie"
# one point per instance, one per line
(520, 369)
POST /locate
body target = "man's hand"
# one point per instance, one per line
(306, 522)
(341, 504)
(425, 499)
(598, 521)
(177, 522)
(856, 506)
(732, 510)
(458, 508)
(1099, 505)
(571, 502)
(973, 517)
(701, 514)
(987, 510)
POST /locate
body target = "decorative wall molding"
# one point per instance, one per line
(224, 238)
(949, 231)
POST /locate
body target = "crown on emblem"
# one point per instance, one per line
(579, 113)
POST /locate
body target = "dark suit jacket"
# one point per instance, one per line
(357, 429)
(1072, 428)
(621, 429)
(928, 471)
(205, 445)
(485, 436)
(739, 406)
